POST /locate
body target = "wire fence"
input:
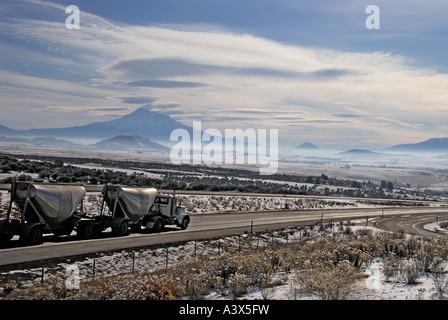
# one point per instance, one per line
(155, 258)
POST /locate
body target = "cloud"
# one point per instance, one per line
(164, 68)
(136, 99)
(164, 84)
(213, 74)
(347, 115)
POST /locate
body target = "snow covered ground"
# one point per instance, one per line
(214, 204)
(373, 286)
(207, 204)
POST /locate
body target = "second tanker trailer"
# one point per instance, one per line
(125, 208)
(57, 209)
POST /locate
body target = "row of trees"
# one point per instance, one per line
(187, 177)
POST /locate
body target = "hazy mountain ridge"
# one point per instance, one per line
(308, 146)
(115, 143)
(430, 145)
(142, 122)
(360, 153)
(157, 128)
(123, 142)
(43, 142)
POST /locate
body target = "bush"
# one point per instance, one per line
(440, 279)
(390, 267)
(409, 271)
(162, 287)
(327, 266)
(329, 283)
(237, 284)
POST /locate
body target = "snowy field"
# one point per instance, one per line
(215, 204)
(373, 285)
(414, 172)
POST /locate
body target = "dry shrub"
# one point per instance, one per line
(428, 255)
(52, 289)
(391, 266)
(329, 283)
(120, 287)
(128, 286)
(440, 279)
(409, 271)
(328, 267)
(233, 274)
(195, 276)
(237, 284)
(358, 253)
(164, 287)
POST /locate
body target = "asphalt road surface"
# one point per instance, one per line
(414, 224)
(208, 226)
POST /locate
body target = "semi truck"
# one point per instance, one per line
(131, 208)
(58, 209)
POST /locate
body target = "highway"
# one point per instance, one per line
(208, 226)
(414, 224)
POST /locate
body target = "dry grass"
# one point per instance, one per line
(328, 267)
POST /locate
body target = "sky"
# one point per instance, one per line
(311, 69)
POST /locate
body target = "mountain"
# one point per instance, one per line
(54, 143)
(42, 142)
(430, 145)
(134, 142)
(6, 130)
(142, 122)
(359, 153)
(308, 146)
(12, 139)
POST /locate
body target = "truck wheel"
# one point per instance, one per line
(158, 225)
(34, 236)
(185, 223)
(122, 229)
(85, 231)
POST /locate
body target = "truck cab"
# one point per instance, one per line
(166, 211)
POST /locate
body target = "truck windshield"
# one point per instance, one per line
(161, 200)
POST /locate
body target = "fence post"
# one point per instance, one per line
(133, 261)
(43, 274)
(94, 261)
(166, 266)
(251, 226)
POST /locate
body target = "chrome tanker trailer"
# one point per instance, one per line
(43, 209)
(133, 207)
